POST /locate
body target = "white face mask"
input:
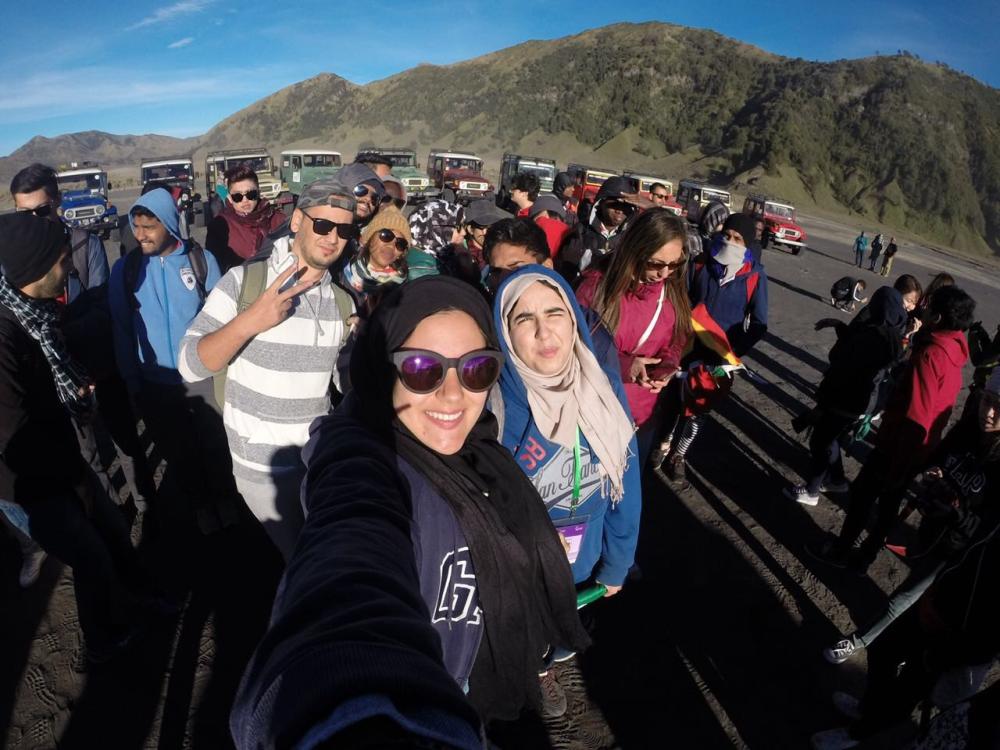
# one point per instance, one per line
(730, 254)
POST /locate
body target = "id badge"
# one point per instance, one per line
(572, 530)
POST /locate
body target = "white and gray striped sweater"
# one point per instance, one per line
(279, 382)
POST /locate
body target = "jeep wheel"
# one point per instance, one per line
(797, 249)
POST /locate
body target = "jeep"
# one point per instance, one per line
(643, 184)
(404, 166)
(176, 174)
(693, 195)
(458, 176)
(591, 180)
(258, 159)
(780, 224)
(301, 166)
(84, 202)
(512, 164)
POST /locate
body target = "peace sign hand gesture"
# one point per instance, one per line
(274, 306)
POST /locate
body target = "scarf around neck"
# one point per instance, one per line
(40, 320)
(363, 278)
(579, 396)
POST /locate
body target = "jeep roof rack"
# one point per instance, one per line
(238, 151)
(771, 199)
(528, 156)
(384, 149)
(176, 157)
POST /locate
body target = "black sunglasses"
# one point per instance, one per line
(345, 230)
(250, 195)
(42, 212)
(387, 236)
(657, 265)
(361, 190)
(423, 371)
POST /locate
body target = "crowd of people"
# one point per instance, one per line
(441, 421)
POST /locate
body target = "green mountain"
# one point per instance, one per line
(894, 140)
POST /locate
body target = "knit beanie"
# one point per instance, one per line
(993, 384)
(745, 224)
(388, 217)
(29, 246)
(160, 203)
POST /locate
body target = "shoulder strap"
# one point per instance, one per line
(345, 303)
(196, 256)
(752, 280)
(652, 323)
(130, 276)
(80, 240)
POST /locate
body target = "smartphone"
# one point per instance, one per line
(661, 371)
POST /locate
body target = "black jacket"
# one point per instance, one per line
(859, 362)
(39, 453)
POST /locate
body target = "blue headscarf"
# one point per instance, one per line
(161, 203)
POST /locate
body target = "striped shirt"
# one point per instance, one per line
(279, 382)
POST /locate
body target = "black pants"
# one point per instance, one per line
(893, 693)
(98, 549)
(824, 450)
(874, 487)
(189, 432)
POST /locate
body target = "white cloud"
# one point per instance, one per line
(182, 8)
(181, 43)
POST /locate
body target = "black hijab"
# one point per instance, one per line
(524, 579)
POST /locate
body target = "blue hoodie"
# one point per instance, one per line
(147, 339)
(607, 548)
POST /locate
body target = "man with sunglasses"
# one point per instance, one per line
(367, 190)
(238, 232)
(598, 233)
(271, 335)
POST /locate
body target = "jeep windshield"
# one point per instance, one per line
(541, 170)
(597, 178)
(473, 165)
(167, 172)
(256, 163)
(782, 212)
(93, 183)
(321, 160)
(402, 160)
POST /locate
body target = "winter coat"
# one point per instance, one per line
(39, 453)
(234, 238)
(610, 534)
(637, 310)
(859, 362)
(589, 241)
(742, 315)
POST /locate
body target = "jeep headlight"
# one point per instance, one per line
(69, 213)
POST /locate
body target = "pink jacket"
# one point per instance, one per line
(637, 310)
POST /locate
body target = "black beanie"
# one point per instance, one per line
(745, 224)
(29, 246)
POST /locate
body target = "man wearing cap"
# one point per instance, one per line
(365, 187)
(41, 469)
(548, 213)
(479, 216)
(271, 333)
(154, 293)
(395, 191)
(599, 232)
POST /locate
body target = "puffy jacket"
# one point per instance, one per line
(637, 310)
(234, 238)
(741, 314)
(588, 241)
(148, 330)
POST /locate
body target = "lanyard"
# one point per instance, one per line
(577, 474)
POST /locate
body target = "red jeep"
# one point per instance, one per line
(780, 224)
(458, 176)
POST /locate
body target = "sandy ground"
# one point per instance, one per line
(716, 645)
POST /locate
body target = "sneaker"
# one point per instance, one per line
(833, 739)
(31, 567)
(835, 488)
(827, 553)
(840, 652)
(833, 302)
(848, 706)
(658, 454)
(801, 494)
(676, 471)
(553, 696)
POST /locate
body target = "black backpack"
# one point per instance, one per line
(130, 276)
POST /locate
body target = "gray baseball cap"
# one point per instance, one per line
(484, 213)
(547, 203)
(327, 191)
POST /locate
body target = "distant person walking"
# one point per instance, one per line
(877, 245)
(860, 247)
(888, 256)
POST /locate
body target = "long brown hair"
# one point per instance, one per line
(653, 229)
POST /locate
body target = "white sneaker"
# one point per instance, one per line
(833, 739)
(848, 706)
(835, 487)
(800, 494)
(31, 567)
(842, 651)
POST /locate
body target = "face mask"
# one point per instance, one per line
(727, 253)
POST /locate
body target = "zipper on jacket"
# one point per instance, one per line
(166, 305)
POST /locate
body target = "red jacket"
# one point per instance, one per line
(637, 310)
(921, 405)
(556, 232)
(233, 238)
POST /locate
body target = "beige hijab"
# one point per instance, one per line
(579, 395)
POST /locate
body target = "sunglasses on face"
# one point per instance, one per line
(386, 236)
(658, 196)
(659, 265)
(323, 227)
(423, 371)
(250, 195)
(360, 191)
(42, 212)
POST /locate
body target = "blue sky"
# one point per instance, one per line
(180, 66)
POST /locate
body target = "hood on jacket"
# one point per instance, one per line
(562, 181)
(612, 189)
(161, 203)
(886, 308)
(953, 344)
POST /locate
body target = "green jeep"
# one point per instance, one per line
(301, 166)
(404, 166)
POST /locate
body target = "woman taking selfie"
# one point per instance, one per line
(492, 572)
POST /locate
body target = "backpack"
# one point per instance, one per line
(251, 287)
(130, 275)
(80, 249)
